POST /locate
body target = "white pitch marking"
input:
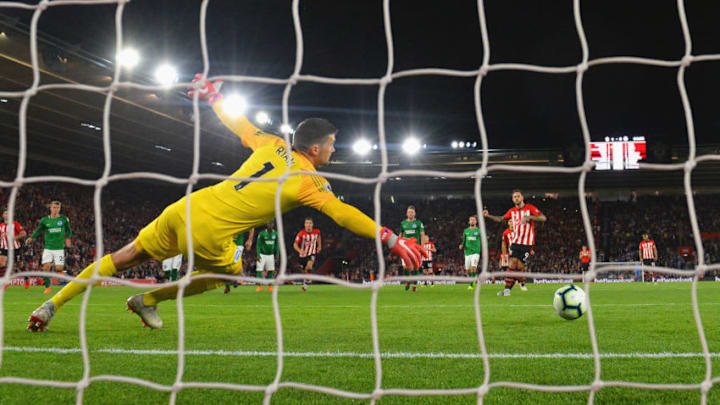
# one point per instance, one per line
(643, 304)
(387, 355)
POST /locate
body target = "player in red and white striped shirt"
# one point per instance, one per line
(19, 233)
(523, 218)
(507, 238)
(308, 243)
(648, 253)
(584, 258)
(427, 264)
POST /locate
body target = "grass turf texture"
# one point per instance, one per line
(629, 318)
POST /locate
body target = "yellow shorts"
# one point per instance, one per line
(166, 236)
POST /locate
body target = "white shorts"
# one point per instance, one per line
(57, 257)
(266, 262)
(238, 253)
(472, 261)
(172, 263)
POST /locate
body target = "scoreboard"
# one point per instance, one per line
(618, 153)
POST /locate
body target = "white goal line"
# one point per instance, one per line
(403, 306)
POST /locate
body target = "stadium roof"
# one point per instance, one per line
(152, 131)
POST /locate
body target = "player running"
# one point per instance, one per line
(267, 252)
(472, 246)
(230, 207)
(427, 264)
(648, 254)
(505, 245)
(308, 244)
(504, 261)
(523, 220)
(56, 237)
(240, 246)
(413, 229)
(507, 238)
(19, 233)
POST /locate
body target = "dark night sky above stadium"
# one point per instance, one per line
(346, 39)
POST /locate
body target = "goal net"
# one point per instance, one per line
(376, 392)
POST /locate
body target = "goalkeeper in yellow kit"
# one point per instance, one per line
(219, 212)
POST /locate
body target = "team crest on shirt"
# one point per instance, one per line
(59, 223)
(273, 237)
(414, 225)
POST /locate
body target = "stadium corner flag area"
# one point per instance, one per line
(349, 202)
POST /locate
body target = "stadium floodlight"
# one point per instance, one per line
(454, 144)
(91, 126)
(262, 118)
(375, 146)
(166, 75)
(234, 105)
(362, 147)
(411, 146)
(474, 144)
(128, 58)
(461, 144)
(286, 129)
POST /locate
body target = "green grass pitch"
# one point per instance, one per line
(632, 319)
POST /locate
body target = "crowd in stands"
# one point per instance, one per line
(617, 228)
(122, 219)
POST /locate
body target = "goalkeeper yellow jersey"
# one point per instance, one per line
(223, 210)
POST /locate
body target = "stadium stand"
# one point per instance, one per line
(617, 225)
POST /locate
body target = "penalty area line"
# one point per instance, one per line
(385, 355)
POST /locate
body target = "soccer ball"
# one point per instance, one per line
(569, 302)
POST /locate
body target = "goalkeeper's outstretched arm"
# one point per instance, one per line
(357, 222)
(321, 199)
(250, 135)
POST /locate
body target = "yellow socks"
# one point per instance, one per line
(153, 297)
(107, 268)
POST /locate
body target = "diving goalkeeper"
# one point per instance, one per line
(223, 210)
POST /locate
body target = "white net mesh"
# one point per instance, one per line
(382, 82)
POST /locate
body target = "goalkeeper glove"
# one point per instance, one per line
(410, 252)
(210, 91)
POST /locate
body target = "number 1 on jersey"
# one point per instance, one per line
(267, 166)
